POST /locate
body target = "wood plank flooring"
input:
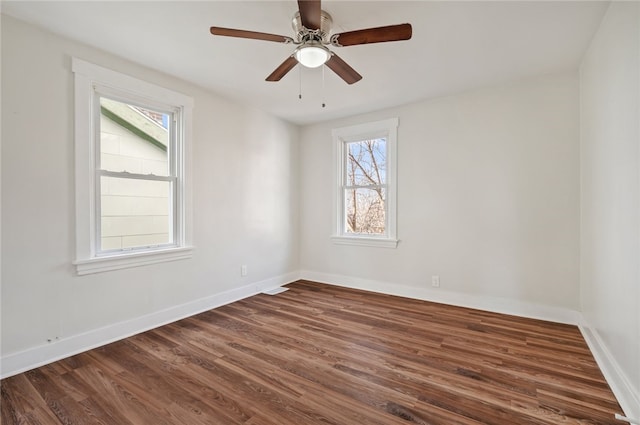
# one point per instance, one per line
(319, 354)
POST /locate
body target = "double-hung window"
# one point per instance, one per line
(131, 171)
(365, 197)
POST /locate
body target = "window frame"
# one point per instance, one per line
(387, 129)
(90, 83)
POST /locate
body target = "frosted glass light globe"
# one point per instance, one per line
(312, 56)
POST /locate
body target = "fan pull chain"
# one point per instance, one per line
(323, 99)
(300, 82)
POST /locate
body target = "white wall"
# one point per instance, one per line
(244, 208)
(488, 199)
(610, 198)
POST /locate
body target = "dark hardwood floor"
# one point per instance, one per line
(319, 354)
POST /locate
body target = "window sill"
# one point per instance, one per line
(124, 261)
(365, 241)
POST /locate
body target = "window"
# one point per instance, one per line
(132, 195)
(366, 184)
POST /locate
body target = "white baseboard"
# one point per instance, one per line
(627, 396)
(493, 304)
(19, 362)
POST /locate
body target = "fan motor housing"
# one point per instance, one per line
(304, 34)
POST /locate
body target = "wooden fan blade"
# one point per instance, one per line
(310, 13)
(229, 32)
(282, 70)
(372, 35)
(344, 71)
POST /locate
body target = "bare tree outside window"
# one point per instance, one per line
(365, 186)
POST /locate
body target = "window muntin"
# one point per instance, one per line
(366, 184)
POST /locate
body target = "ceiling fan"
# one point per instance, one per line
(312, 27)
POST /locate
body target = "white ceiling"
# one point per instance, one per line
(456, 46)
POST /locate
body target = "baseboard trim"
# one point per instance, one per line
(15, 363)
(628, 398)
(493, 304)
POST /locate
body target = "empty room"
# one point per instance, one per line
(320, 212)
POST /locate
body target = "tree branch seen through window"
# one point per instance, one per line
(365, 186)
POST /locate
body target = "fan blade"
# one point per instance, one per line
(310, 13)
(372, 35)
(282, 70)
(344, 71)
(229, 32)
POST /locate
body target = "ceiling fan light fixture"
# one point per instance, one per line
(312, 55)
(312, 28)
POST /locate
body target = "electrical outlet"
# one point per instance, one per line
(435, 281)
(244, 270)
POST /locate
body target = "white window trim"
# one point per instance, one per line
(341, 136)
(86, 77)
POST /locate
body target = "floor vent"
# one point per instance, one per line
(275, 291)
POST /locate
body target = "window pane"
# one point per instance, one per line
(133, 139)
(135, 213)
(366, 162)
(365, 211)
